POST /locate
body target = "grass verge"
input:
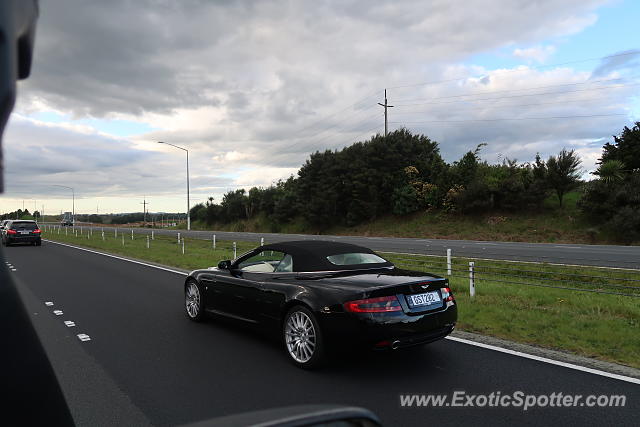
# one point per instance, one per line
(513, 300)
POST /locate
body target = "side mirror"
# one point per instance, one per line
(224, 265)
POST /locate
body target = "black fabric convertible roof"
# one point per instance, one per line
(311, 255)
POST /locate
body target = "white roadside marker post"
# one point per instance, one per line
(183, 246)
(115, 231)
(235, 250)
(147, 242)
(103, 235)
(472, 280)
(449, 262)
(213, 242)
(152, 235)
(132, 234)
(178, 238)
(122, 240)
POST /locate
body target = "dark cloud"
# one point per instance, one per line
(248, 85)
(626, 60)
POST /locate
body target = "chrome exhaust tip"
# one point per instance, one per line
(395, 345)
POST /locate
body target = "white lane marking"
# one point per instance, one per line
(84, 337)
(567, 247)
(48, 303)
(58, 312)
(490, 347)
(120, 258)
(13, 269)
(546, 360)
(69, 323)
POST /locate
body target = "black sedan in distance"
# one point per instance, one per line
(320, 294)
(21, 231)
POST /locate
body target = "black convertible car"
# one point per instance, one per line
(321, 293)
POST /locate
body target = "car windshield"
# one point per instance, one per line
(355, 180)
(355, 259)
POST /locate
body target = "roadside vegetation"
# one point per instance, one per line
(515, 301)
(401, 186)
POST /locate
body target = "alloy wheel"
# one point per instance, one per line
(300, 337)
(192, 300)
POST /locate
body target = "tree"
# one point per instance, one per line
(563, 172)
(613, 200)
(611, 171)
(625, 148)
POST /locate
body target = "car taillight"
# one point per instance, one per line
(12, 232)
(37, 230)
(374, 305)
(447, 295)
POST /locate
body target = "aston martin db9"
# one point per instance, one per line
(320, 294)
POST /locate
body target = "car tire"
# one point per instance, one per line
(302, 338)
(194, 301)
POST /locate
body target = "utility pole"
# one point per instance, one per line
(385, 105)
(144, 209)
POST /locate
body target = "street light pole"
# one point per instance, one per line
(188, 201)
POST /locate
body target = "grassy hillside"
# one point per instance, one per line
(552, 225)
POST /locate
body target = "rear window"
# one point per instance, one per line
(23, 225)
(355, 259)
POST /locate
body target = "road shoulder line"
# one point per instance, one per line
(483, 341)
(123, 258)
(620, 372)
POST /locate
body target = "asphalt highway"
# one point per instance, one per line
(596, 255)
(145, 363)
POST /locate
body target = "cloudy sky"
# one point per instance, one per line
(252, 87)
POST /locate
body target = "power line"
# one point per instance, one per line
(478, 76)
(515, 118)
(565, 101)
(522, 89)
(334, 114)
(523, 95)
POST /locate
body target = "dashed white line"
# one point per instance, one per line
(48, 303)
(58, 312)
(69, 323)
(84, 337)
(489, 347)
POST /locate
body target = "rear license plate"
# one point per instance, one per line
(24, 232)
(424, 299)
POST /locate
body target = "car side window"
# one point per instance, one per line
(262, 262)
(286, 265)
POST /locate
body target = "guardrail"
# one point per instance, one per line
(466, 265)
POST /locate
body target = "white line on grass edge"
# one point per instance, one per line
(461, 340)
(118, 257)
(546, 360)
